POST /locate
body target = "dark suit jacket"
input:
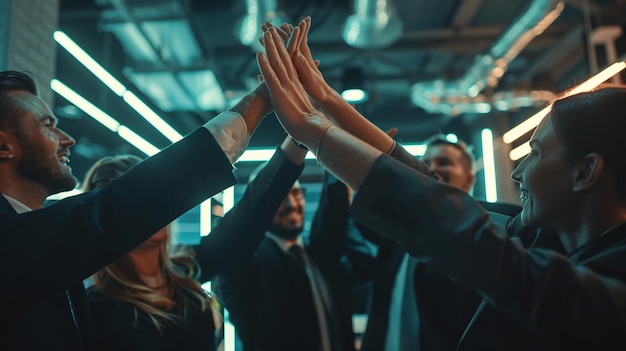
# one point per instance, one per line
(445, 306)
(535, 298)
(46, 254)
(267, 293)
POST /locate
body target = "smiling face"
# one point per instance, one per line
(289, 220)
(42, 150)
(546, 179)
(448, 161)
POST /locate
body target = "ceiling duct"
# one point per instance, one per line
(248, 28)
(374, 24)
(463, 95)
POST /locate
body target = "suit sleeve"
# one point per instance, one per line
(538, 287)
(330, 223)
(241, 231)
(69, 240)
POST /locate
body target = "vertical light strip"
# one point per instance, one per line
(205, 217)
(489, 166)
(118, 88)
(229, 333)
(229, 198)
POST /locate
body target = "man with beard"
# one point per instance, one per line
(286, 294)
(47, 252)
(413, 305)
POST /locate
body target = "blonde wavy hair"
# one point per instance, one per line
(120, 281)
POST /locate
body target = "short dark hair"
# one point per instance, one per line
(595, 122)
(466, 151)
(10, 108)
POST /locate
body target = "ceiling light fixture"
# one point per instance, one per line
(103, 118)
(118, 88)
(353, 86)
(530, 123)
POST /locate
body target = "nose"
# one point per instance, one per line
(65, 139)
(516, 175)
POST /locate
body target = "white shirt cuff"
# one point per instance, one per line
(230, 131)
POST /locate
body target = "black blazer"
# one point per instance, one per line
(46, 254)
(536, 298)
(267, 293)
(445, 306)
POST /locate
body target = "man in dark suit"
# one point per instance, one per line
(47, 252)
(287, 295)
(413, 305)
(572, 182)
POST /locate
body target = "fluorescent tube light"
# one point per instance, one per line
(137, 141)
(82, 103)
(489, 166)
(100, 116)
(94, 67)
(118, 88)
(520, 151)
(591, 83)
(133, 101)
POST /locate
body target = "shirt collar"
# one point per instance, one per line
(17, 206)
(285, 244)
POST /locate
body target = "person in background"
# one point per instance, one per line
(47, 252)
(572, 182)
(288, 294)
(150, 298)
(414, 306)
(400, 285)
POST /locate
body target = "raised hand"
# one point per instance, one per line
(338, 110)
(308, 71)
(291, 103)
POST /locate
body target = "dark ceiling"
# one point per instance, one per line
(443, 45)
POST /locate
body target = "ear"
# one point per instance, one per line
(6, 146)
(588, 171)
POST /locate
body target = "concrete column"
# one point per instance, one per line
(26, 43)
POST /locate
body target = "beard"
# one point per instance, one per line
(48, 172)
(283, 232)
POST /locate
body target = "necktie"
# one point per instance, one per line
(320, 308)
(409, 316)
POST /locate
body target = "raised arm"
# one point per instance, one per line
(331, 102)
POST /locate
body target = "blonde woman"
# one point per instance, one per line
(150, 298)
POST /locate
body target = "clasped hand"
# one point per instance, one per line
(291, 102)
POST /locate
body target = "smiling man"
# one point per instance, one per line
(45, 253)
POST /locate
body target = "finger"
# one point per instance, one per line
(284, 35)
(273, 56)
(292, 45)
(304, 46)
(305, 74)
(287, 28)
(267, 72)
(283, 55)
(392, 132)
